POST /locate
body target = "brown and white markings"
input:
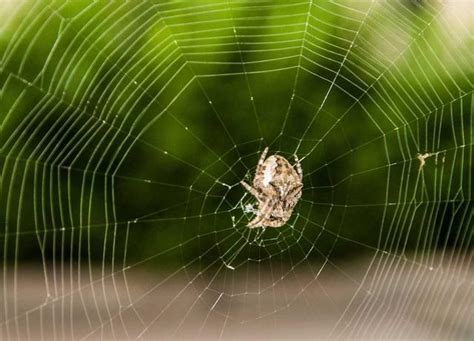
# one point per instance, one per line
(277, 187)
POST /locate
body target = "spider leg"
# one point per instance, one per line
(298, 167)
(264, 215)
(256, 222)
(250, 189)
(261, 160)
(262, 157)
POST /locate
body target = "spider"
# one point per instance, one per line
(277, 187)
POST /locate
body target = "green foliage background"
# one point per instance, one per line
(127, 126)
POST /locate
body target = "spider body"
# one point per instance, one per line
(277, 187)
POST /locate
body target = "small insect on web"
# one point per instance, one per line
(277, 187)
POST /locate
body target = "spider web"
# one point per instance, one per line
(127, 127)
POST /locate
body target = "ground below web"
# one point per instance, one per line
(407, 301)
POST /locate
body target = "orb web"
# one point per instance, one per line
(128, 126)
